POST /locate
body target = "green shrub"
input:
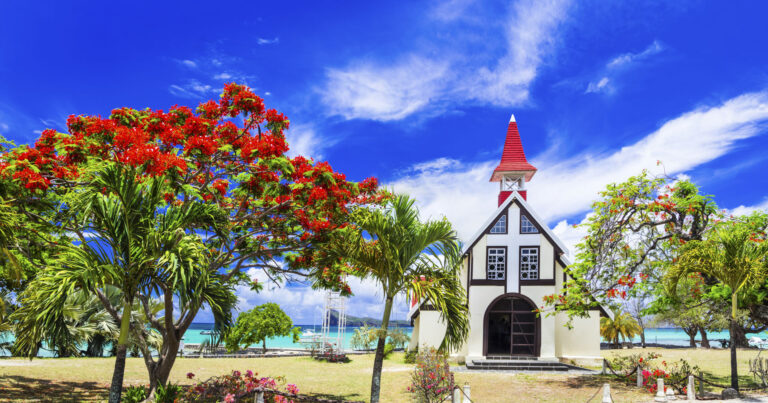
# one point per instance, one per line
(432, 379)
(388, 349)
(411, 355)
(168, 393)
(135, 394)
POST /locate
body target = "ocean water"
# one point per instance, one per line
(194, 335)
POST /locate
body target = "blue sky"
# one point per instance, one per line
(419, 93)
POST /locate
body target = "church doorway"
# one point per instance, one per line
(511, 327)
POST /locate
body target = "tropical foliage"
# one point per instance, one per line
(398, 251)
(216, 181)
(622, 325)
(736, 256)
(431, 379)
(259, 324)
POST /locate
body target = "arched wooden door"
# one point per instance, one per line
(512, 327)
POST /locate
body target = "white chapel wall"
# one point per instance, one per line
(480, 297)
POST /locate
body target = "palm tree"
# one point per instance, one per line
(622, 325)
(404, 255)
(129, 246)
(734, 256)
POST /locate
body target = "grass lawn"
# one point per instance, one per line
(78, 379)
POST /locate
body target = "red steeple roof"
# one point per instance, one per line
(513, 157)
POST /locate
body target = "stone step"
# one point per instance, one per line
(516, 362)
(512, 357)
(520, 367)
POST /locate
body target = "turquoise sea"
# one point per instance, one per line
(194, 335)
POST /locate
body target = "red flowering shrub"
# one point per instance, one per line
(239, 386)
(675, 374)
(432, 379)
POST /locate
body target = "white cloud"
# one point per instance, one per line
(304, 140)
(3, 128)
(189, 63)
(192, 89)
(222, 76)
(387, 91)
(567, 186)
(369, 91)
(618, 65)
(744, 210)
(628, 58)
(266, 41)
(529, 36)
(598, 86)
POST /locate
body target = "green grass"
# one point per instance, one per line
(79, 379)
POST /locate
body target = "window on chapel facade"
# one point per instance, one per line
(526, 226)
(497, 264)
(501, 226)
(529, 263)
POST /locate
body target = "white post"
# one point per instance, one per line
(456, 396)
(605, 367)
(607, 393)
(660, 395)
(259, 398)
(466, 393)
(639, 377)
(671, 394)
(691, 388)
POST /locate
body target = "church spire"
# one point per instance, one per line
(513, 169)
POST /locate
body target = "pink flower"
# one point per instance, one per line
(293, 389)
(249, 373)
(190, 375)
(230, 398)
(236, 374)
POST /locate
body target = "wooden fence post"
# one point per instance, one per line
(701, 384)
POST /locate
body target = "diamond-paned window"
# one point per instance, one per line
(526, 226)
(501, 226)
(529, 263)
(497, 263)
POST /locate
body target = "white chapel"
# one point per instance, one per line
(509, 265)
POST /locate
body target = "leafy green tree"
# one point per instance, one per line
(363, 338)
(734, 255)
(131, 246)
(636, 229)
(622, 325)
(403, 254)
(259, 324)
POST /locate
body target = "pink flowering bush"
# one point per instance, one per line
(238, 385)
(432, 379)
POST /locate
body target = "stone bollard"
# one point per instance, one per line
(701, 384)
(607, 394)
(639, 377)
(456, 398)
(605, 367)
(660, 395)
(691, 395)
(467, 394)
(259, 397)
(671, 394)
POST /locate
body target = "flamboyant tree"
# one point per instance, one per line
(271, 212)
(633, 235)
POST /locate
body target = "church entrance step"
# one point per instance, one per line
(518, 365)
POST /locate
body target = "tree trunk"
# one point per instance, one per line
(642, 337)
(264, 345)
(378, 360)
(116, 388)
(704, 339)
(691, 332)
(741, 336)
(734, 369)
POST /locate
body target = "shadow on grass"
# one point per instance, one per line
(16, 387)
(348, 396)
